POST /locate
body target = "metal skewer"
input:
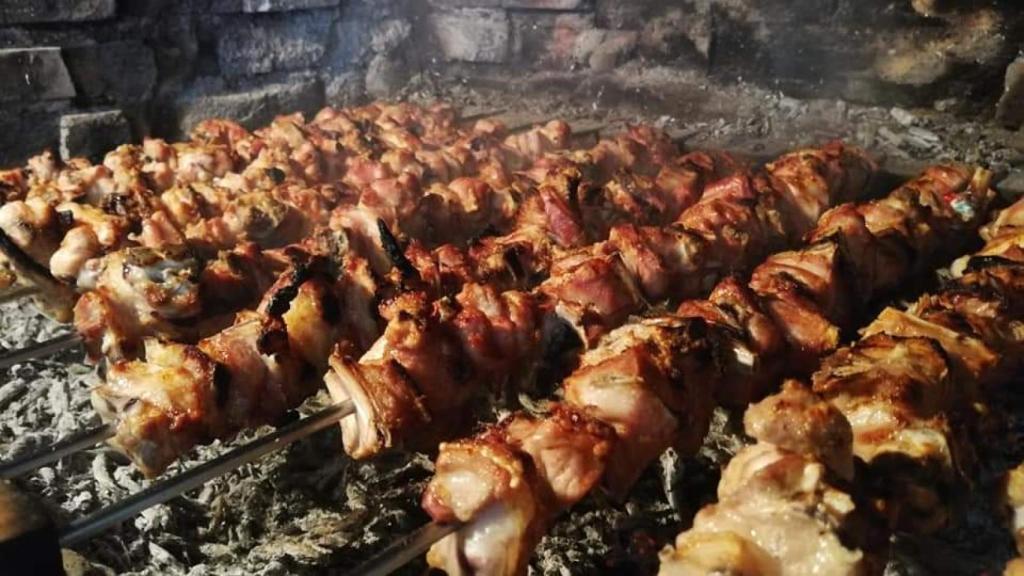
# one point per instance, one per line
(55, 452)
(404, 550)
(481, 115)
(79, 441)
(54, 345)
(159, 493)
(17, 293)
(44, 348)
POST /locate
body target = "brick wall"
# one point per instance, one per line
(79, 74)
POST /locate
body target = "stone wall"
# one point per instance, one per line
(875, 51)
(79, 74)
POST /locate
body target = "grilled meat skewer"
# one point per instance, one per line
(115, 314)
(136, 376)
(155, 186)
(782, 505)
(110, 321)
(365, 286)
(144, 449)
(140, 292)
(479, 309)
(62, 216)
(911, 393)
(916, 386)
(246, 375)
(413, 387)
(653, 382)
(596, 433)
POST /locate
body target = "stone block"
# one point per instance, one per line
(252, 108)
(933, 8)
(389, 34)
(176, 49)
(818, 54)
(638, 14)
(121, 72)
(32, 74)
(28, 130)
(619, 15)
(385, 76)
(1010, 109)
(34, 12)
(42, 36)
(546, 4)
(472, 34)
(259, 6)
(250, 45)
(604, 49)
(92, 134)
(547, 39)
(677, 32)
(910, 65)
(146, 8)
(350, 43)
(345, 89)
(466, 3)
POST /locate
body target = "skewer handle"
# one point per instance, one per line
(55, 452)
(161, 492)
(404, 550)
(41, 349)
(28, 538)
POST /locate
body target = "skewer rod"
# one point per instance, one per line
(55, 452)
(45, 348)
(159, 493)
(481, 115)
(16, 293)
(404, 550)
